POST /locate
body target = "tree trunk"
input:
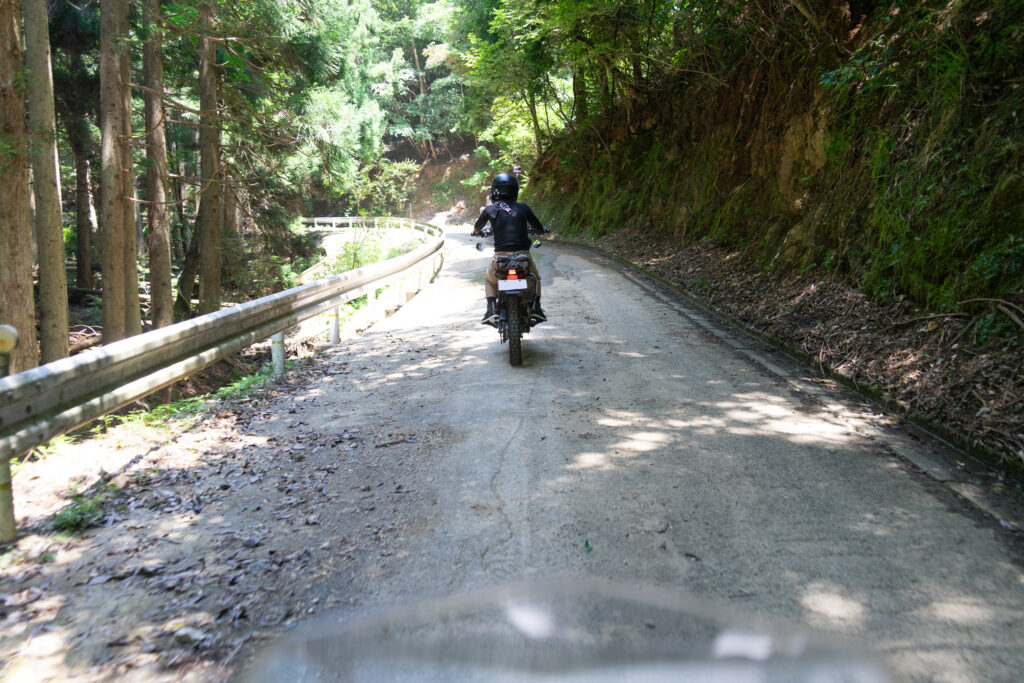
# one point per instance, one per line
(77, 130)
(234, 256)
(208, 221)
(531, 101)
(53, 281)
(16, 302)
(579, 94)
(112, 172)
(187, 280)
(178, 190)
(85, 216)
(141, 246)
(32, 209)
(161, 307)
(132, 310)
(423, 94)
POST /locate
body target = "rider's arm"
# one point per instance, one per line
(481, 222)
(532, 219)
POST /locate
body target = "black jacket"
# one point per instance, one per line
(511, 224)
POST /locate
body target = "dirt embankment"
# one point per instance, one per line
(439, 188)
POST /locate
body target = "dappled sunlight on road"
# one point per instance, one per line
(966, 611)
(591, 461)
(829, 606)
(747, 414)
(41, 659)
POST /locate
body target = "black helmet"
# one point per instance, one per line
(504, 187)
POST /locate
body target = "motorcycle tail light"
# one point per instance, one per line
(512, 274)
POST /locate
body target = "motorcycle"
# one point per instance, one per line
(560, 629)
(517, 286)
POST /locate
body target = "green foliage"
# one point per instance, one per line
(995, 327)
(443, 193)
(70, 240)
(480, 180)
(427, 105)
(85, 509)
(243, 386)
(359, 252)
(381, 188)
(8, 148)
(871, 67)
(370, 246)
(163, 414)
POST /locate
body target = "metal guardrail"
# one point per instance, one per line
(39, 404)
(335, 223)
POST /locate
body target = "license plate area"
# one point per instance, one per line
(511, 285)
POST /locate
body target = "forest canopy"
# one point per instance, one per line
(878, 139)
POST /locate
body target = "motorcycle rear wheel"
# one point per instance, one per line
(515, 332)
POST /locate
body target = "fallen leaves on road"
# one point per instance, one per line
(218, 535)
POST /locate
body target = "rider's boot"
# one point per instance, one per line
(491, 316)
(538, 313)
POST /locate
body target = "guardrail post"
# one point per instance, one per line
(277, 352)
(8, 529)
(335, 332)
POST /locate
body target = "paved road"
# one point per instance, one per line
(684, 455)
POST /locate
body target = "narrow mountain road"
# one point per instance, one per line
(640, 441)
(687, 456)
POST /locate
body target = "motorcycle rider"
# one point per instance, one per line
(511, 222)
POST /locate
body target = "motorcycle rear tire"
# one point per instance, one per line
(515, 332)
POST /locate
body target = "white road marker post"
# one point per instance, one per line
(8, 529)
(277, 352)
(335, 331)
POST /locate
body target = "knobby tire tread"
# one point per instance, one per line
(515, 332)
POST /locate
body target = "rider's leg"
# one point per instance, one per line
(491, 315)
(491, 292)
(538, 312)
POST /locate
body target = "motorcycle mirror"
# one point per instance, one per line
(480, 246)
